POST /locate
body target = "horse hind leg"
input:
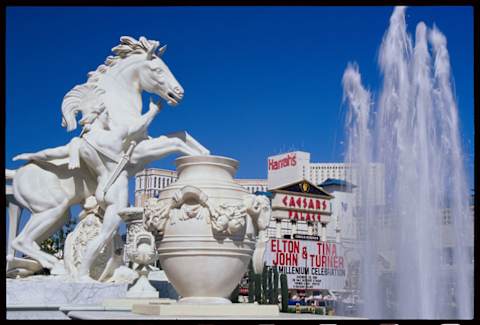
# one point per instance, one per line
(35, 229)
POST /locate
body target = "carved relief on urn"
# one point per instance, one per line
(207, 229)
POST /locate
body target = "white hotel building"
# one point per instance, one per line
(149, 182)
(281, 170)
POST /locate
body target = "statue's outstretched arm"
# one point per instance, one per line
(51, 153)
(68, 150)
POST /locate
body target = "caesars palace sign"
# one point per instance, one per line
(300, 207)
(305, 202)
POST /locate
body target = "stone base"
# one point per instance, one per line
(129, 302)
(51, 291)
(36, 314)
(122, 315)
(245, 310)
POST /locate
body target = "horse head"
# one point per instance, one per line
(157, 78)
(151, 73)
(136, 66)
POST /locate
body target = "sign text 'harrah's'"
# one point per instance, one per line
(289, 160)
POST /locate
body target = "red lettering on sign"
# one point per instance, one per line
(284, 259)
(292, 202)
(317, 204)
(299, 202)
(274, 245)
(310, 204)
(324, 204)
(289, 160)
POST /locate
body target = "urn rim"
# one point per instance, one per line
(226, 162)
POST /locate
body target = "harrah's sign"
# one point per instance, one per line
(289, 160)
(287, 168)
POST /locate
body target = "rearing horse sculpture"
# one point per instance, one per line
(112, 146)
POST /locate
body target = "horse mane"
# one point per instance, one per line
(86, 98)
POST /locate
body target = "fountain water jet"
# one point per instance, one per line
(414, 132)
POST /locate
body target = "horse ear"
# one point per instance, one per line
(161, 50)
(151, 50)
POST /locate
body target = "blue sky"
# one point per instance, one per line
(258, 80)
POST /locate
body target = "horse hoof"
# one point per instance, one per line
(23, 156)
(58, 269)
(86, 279)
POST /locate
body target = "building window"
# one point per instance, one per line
(310, 228)
(294, 227)
(447, 255)
(278, 229)
(447, 217)
(315, 228)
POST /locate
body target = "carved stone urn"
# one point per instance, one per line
(207, 228)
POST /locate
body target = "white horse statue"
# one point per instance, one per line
(112, 146)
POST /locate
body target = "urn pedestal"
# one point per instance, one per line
(140, 249)
(206, 228)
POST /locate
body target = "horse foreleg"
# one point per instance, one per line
(157, 148)
(36, 227)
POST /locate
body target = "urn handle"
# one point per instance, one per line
(186, 203)
(259, 209)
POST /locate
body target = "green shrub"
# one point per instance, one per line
(235, 293)
(258, 288)
(251, 284)
(270, 286)
(275, 285)
(264, 285)
(284, 288)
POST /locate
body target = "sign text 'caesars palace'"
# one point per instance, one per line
(299, 207)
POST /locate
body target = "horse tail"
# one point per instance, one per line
(9, 174)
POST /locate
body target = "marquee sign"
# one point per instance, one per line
(308, 264)
(299, 207)
(306, 237)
